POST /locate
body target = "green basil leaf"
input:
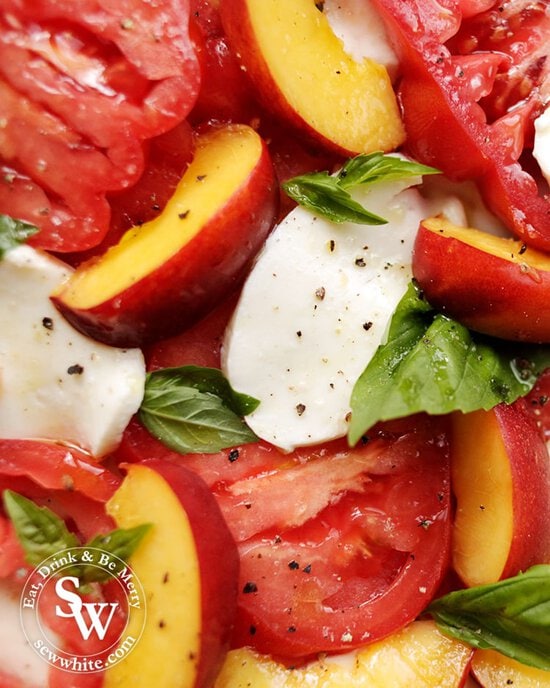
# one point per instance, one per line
(40, 532)
(195, 410)
(121, 542)
(511, 616)
(321, 194)
(13, 232)
(327, 195)
(434, 364)
(376, 167)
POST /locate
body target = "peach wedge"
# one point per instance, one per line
(163, 275)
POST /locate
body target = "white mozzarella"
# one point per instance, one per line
(541, 148)
(358, 25)
(55, 383)
(17, 658)
(313, 311)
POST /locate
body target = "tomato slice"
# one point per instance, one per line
(340, 547)
(64, 479)
(79, 95)
(444, 96)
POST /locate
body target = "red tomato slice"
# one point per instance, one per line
(443, 97)
(79, 94)
(62, 478)
(340, 547)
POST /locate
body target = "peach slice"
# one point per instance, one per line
(165, 274)
(301, 71)
(493, 670)
(501, 481)
(188, 567)
(419, 655)
(491, 284)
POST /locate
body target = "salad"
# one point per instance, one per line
(275, 343)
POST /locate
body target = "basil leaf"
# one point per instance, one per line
(375, 167)
(434, 364)
(511, 616)
(322, 194)
(43, 534)
(121, 542)
(327, 195)
(13, 232)
(195, 410)
(40, 532)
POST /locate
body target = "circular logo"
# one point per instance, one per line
(83, 609)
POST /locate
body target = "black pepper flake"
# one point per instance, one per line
(293, 565)
(332, 245)
(47, 323)
(183, 215)
(360, 262)
(166, 578)
(367, 325)
(291, 629)
(425, 523)
(233, 455)
(252, 630)
(155, 206)
(300, 408)
(365, 439)
(75, 369)
(162, 623)
(200, 177)
(299, 333)
(320, 293)
(250, 587)
(522, 249)
(307, 569)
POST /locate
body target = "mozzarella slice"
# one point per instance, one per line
(55, 383)
(358, 24)
(313, 311)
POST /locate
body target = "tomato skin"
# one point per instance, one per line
(446, 124)
(80, 94)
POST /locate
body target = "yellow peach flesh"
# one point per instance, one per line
(166, 564)
(223, 159)
(482, 483)
(355, 106)
(494, 670)
(419, 655)
(511, 250)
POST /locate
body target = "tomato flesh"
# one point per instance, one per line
(61, 77)
(363, 565)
